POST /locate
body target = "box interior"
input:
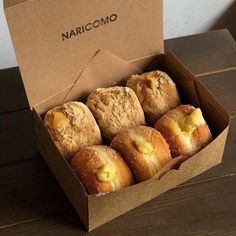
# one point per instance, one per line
(192, 91)
(96, 210)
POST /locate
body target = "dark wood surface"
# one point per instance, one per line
(32, 203)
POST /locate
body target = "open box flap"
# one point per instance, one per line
(99, 75)
(54, 40)
(104, 69)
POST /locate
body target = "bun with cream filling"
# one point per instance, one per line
(185, 130)
(101, 169)
(144, 149)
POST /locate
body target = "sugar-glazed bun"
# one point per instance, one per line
(101, 169)
(144, 149)
(185, 130)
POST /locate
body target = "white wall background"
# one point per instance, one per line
(181, 17)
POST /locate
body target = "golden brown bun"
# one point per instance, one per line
(72, 127)
(115, 109)
(101, 169)
(156, 92)
(185, 130)
(144, 149)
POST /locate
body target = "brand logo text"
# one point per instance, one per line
(89, 26)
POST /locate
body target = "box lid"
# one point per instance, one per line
(54, 40)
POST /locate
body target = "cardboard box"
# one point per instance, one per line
(53, 46)
(56, 70)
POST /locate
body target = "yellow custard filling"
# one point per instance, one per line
(106, 173)
(58, 120)
(146, 148)
(143, 146)
(190, 123)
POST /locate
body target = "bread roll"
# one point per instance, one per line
(156, 92)
(185, 130)
(101, 169)
(72, 127)
(144, 149)
(115, 109)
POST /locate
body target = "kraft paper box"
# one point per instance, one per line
(57, 44)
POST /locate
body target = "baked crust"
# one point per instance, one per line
(115, 109)
(144, 149)
(101, 169)
(156, 92)
(72, 127)
(185, 130)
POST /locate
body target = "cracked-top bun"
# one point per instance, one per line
(72, 127)
(101, 169)
(156, 92)
(185, 130)
(115, 109)
(144, 149)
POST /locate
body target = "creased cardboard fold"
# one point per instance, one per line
(103, 73)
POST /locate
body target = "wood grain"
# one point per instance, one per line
(17, 141)
(29, 191)
(199, 209)
(205, 53)
(223, 86)
(12, 92)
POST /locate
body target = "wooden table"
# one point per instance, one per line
(32, 203)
